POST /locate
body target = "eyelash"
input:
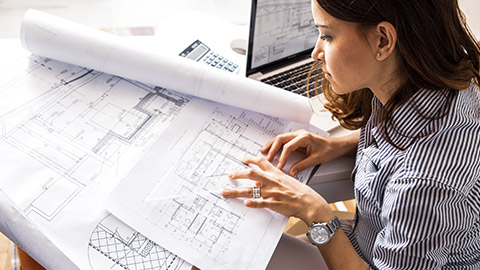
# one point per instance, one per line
(325, 37)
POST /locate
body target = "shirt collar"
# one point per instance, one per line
(409, 120)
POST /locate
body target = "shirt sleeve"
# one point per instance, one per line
(423, 221)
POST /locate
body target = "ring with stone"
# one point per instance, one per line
(256, 193)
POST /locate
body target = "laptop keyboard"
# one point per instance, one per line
(295, 80)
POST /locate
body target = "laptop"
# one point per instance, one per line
(281, 38)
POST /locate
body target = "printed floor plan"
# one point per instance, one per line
(67, 135)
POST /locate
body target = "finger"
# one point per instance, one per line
(256, 203)
(263, 203)
(237, 193)
(260, 161)
(288, 148)
(274, 149)
(267, 146)
(250, 173)
(277, 143)
(243, 192)
(302, 165)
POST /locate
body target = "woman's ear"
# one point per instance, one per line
(384, 40)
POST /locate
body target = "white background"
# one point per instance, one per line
(122, 13)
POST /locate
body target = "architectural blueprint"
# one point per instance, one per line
(56, 38)
(182, 175)
(114, 245)
(70, 132)
(67, 135)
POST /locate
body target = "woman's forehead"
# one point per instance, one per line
(321, 17)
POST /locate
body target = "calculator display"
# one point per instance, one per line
(199, 51)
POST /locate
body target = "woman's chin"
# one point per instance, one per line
(339, 90)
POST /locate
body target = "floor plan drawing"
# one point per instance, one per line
(180, 198)
(194, 209)
(68, 135)
(209, 227)
(78, 133)
(114, 245)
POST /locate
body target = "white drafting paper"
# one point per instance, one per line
(66, 41)
(67, 136)
(69, 133)
(27, 236)
(173, 193)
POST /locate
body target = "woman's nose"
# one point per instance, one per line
(318, 54)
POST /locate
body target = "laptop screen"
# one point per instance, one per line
(280, 30)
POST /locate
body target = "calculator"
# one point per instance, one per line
(200, 52)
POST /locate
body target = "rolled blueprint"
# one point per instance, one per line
(57, 38)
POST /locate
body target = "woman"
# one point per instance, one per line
(407, 74)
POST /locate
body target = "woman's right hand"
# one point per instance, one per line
(317, 149)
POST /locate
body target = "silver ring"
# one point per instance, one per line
(256, 193)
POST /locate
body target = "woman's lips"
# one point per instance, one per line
(325, 72)
(327, 75)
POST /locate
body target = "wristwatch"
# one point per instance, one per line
(320, 233)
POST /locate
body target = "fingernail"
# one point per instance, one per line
(294, 172)
(247, 203)
(230, 175)
(225, 193)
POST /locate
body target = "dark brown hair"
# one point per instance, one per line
(437, 51)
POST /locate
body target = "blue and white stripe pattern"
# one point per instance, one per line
(420, 208)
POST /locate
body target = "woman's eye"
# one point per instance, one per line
(325, 37)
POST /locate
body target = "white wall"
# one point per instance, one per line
(471, 8)
(116, 13)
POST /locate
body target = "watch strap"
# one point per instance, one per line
(333, 225)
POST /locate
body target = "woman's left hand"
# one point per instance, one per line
(280, 192)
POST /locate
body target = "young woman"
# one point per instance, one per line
(407, 74)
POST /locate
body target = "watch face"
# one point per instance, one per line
(319, 234)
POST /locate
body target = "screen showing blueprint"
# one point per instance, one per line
(282, 29)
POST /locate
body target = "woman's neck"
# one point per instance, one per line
(389, 79)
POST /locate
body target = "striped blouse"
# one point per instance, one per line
(420, 208)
